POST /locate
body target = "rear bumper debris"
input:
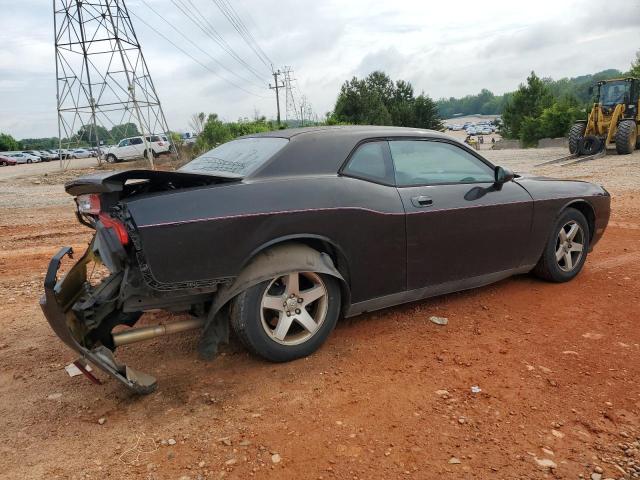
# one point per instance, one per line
(57, 302)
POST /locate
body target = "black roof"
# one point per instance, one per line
(355, 131)
(322, 150)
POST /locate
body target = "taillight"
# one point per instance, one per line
(117, 226)
(89, 203)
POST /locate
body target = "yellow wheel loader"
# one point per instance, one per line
(614, 119)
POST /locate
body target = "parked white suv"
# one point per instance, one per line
(134, 147)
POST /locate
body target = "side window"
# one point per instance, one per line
(421, 162)
(369, 162)
(136, 141)
(124, 143)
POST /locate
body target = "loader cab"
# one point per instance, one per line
(610, 93)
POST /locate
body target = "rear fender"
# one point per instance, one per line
(273, 262)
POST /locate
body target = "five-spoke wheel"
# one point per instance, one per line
(569, 246)
(294, 307)
(566, 251)
(288, 316)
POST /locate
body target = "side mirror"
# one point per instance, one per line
(503, 175)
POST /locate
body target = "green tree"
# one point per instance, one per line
(426, 113)
(118, 132)
(528, 101)
(377, 100)
(88, 134)
(8, 143)
(554, 121)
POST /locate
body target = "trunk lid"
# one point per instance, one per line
(128, 183)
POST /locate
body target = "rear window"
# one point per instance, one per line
(236, 158)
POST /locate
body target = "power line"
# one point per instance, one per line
(208, 29)
(236, 21)
(199, 47)
(195, 59)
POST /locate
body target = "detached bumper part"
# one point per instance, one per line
(57, 302)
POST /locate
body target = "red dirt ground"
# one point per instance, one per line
(557, 365)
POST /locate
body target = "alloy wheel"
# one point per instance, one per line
(293, 307)
(569, 246)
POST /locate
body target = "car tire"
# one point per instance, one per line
(153, 154)
(561, 258)
(575, 134)
(626, 137)
(4, 164)
(260, 320)
(111, 158)
(29, 160)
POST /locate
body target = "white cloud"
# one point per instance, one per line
(443, 48)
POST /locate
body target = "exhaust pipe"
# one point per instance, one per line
(147, 333)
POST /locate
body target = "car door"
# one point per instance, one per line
(122, 152)
(459, 223)
(137, 147)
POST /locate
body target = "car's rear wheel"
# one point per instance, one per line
(29, 160)
(566, 250)
(287, 317)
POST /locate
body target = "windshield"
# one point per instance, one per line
(613, 93)
(237, 158)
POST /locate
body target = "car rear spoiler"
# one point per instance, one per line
(115, 181)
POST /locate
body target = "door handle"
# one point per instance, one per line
(421, 201)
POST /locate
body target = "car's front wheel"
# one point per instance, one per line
(566, 250)
(287, 317)
(111, 158)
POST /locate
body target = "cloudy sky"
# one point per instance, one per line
(446, 48)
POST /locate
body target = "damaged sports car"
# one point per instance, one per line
(278, 235)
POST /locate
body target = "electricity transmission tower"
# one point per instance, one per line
(104, 89)
(290, 98)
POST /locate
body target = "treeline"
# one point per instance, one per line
(487, 103)
(215, 131)
(84, 138)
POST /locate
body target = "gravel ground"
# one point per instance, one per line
(390, 395)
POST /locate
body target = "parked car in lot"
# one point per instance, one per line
(34, 153)
(80, 153)
(21, 157)
(134, 147)
(279, 234)
(47, 156)
(7, 161)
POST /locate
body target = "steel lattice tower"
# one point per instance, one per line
(102, 76)
(290, 100)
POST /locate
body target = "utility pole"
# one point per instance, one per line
(277, 86)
